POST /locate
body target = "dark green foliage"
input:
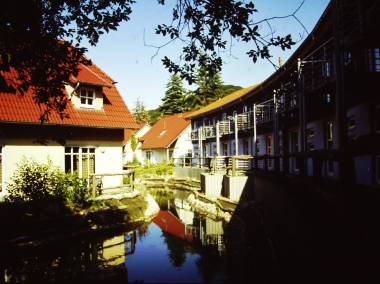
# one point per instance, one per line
(174, 100)
(163, 168)
(155, 115)
(210, 89)
(134, 142)
(78, 192)
(34, 181)
(229, 89)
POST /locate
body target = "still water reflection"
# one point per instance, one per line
(179, 246)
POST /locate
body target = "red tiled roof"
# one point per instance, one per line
(115, 113)
(165, 131)
(87, 76)
(168, 223)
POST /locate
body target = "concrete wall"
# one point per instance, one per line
(238, 187)
(193, 173)
(212, 185)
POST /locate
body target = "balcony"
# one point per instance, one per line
(208, 132)
(225, 127)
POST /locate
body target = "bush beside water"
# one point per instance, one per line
(33, 181)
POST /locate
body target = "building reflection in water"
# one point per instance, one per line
(114, 250)
(89, 257)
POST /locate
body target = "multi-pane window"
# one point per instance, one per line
(294, 148)
(310, 132)
(329, 146)
(148, 154)
(225, 149)
(257, 147)
(205, 150)
(87, 98)
(310, 146)
(246, 147)
(80, 159)
(269, 150)
(373, 59)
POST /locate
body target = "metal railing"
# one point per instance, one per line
(219, 164)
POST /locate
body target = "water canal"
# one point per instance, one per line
(179, 245)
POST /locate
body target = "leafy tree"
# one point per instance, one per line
(134, 142)
(155, 116)
(229, 89)
(193, 101)
(31, 34)
(210, 88)
(204, 27)
(173, 102)
(140, 112)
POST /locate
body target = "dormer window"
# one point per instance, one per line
(87, 98)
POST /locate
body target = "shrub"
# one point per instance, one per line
(135, 161)
(78, 193)
(36, 181)
(33, 181)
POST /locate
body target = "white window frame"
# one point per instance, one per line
(87, 98)
(81, 153)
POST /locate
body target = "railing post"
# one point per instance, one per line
(233, 166)
(132, 180)
(93, 187)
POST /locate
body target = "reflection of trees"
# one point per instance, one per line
(209, 264)
(51, 264)
(143, 231)
(79, 261)
(177, 247)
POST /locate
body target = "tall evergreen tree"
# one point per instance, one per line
(174, 100)
(140, 112)
(210, 88)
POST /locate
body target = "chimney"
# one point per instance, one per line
(280, 61)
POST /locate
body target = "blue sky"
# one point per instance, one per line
(128, 55)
